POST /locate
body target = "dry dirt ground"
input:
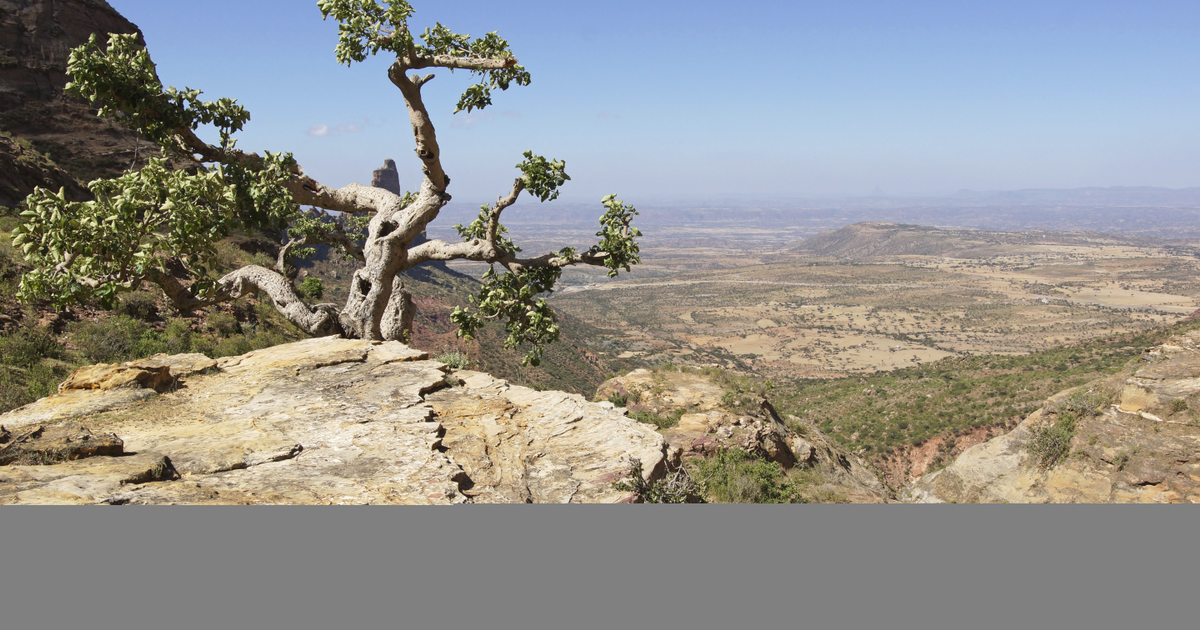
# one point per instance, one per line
(795, 316)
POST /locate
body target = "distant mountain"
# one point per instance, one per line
(883, 240)
(1128, 196)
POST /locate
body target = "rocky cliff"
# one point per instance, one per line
(712, 418)
(322, 421)
(1132, 438)
(36, 37)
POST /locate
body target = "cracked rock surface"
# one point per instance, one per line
(321, 421)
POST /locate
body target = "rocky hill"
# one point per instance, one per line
(322, 421)
(704, 413)
(889, 240)
(1130, 438)
(73, 145)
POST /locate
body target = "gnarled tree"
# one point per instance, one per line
(160, 224)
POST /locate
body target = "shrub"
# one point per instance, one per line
(1051, 442)
(311, 288)
(119, 339)
(140, 305)
(659, 420)
(224, 324)
(456, 360)
(28, 345)
(1082, 402)
(737, 476)
(676, 487)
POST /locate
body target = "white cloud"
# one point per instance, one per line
(321, 131)
(469, 120)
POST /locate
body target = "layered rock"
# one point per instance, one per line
(708, 424)
(322, 421)
(36, 38)
(1145, 448)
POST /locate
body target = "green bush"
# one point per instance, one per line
(28, 345)
(1051, 442)
(662, 421)
(676, 487)
(310, 288)
(25, 375)
(140, 305)
(456, 360)
(224, 324)
(737, 476)
(118, 339)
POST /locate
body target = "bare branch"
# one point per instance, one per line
(320, 320)
(426, 138)
(460, 63)
(180, 297)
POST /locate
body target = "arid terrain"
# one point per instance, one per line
(857, 307)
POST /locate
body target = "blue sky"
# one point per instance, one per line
(664, 100)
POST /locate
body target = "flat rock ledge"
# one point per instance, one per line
(321, 421)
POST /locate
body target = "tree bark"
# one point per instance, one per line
(319, 321)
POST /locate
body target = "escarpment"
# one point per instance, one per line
(322, 421)
(1130, 438)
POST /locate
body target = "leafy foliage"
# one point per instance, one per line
(617, 235)
(512, 297)
(738, 476)
(121, 81)
(366, 27)
(543, 177)
(311, 288)
(1050, 442)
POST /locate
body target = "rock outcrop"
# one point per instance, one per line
(322, 421)
(1145, 448)
(708, 424)
(36, 38)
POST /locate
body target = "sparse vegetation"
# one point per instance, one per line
(1051, 441)
(737, 476)
(676, 487)
(456, 360)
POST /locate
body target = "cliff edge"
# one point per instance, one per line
(320, 421)
(1130, 438)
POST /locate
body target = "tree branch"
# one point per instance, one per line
(423, 132)
(459, 63)
(320, 320)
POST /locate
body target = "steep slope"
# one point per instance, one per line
(705, 414)
(36, 37)
(1131, 438)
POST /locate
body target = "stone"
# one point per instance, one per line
(65, 442)
(334, 421)
(89, 480)
(106, 377)
(519, 445)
